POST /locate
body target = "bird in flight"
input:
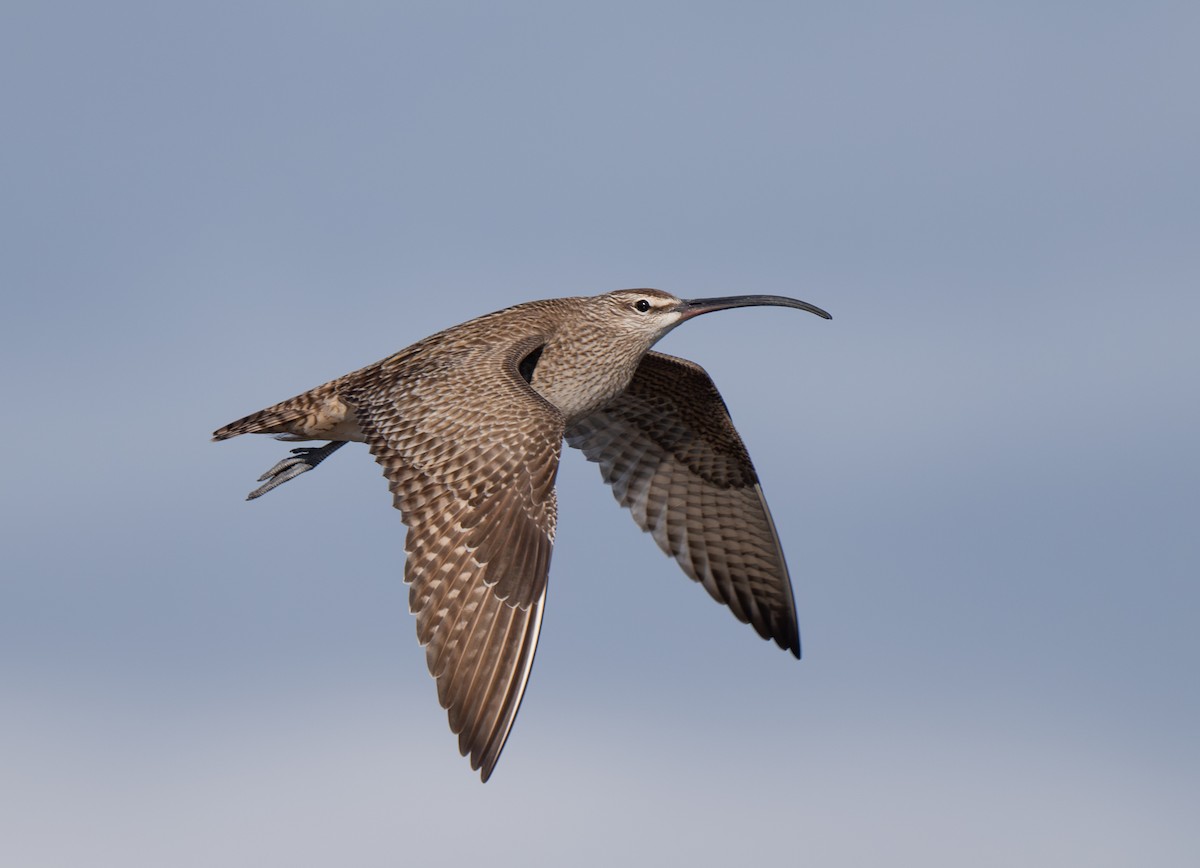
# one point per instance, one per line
(468, 425)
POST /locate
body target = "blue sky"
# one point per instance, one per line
(983, 469)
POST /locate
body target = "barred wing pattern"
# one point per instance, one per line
(672, 456)
(476, 490)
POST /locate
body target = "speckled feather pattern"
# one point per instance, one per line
(470, 450)
(672, 456)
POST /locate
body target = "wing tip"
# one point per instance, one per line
(788, 642)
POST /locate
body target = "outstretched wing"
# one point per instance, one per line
(476, 488)
(672, 456)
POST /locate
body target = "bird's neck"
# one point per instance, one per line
(580, 376)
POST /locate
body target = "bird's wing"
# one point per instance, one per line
(672, 456)
(475, 484)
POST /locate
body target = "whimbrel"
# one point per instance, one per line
(468, 425)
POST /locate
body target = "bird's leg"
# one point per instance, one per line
(302, 460)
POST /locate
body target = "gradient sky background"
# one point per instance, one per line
(984, 469)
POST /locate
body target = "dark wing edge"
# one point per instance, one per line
(668, 449)
(477, 550)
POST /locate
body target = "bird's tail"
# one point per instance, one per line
(273, 420)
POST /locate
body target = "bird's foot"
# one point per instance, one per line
(302, 460)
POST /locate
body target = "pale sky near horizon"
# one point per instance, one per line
(983, 469)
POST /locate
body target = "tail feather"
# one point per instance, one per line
(273, 420)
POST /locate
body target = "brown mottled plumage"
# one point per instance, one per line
(468, 426)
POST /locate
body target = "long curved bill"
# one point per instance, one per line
(695, 306)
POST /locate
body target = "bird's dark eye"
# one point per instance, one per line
(641, 305)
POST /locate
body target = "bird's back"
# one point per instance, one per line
(466, 359)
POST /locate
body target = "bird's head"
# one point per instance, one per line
(599, 345)
(649, 314)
